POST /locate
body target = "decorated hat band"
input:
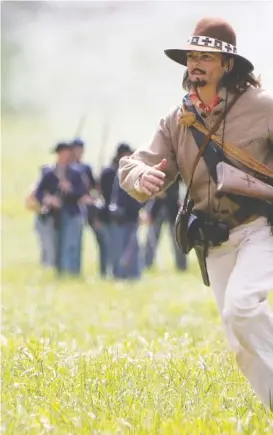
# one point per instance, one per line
(205, 41)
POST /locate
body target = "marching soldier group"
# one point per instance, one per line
(67, 198)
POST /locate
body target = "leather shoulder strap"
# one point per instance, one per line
(213, 154)
(204, 145)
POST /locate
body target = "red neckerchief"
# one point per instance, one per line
(200, 105)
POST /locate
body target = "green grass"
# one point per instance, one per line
(93, 357)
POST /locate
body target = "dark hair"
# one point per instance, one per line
(239, 79)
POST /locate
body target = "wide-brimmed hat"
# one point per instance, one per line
(212, 35)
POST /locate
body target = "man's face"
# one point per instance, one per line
(64, 156)
(78, 153)
(205, 68)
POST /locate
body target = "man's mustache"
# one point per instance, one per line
(198, 71)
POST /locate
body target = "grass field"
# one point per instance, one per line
(92, 357)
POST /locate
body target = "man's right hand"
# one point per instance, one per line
(56, 202)
(52, 201)
(152, 179)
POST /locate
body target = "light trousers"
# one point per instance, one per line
(241, 275)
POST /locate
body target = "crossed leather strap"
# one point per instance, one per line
(242, 156)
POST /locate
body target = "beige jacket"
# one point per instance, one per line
(249, 125)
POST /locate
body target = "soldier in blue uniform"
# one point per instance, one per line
(58, 193)
(104, 221)
(124, 212)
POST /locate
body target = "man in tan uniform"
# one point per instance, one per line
(240, 267)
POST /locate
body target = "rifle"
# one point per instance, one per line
(81, 124)
(104, 140)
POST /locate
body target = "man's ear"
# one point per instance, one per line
(229, 64)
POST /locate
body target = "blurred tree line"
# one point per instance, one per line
(17, 14)
(11, 47)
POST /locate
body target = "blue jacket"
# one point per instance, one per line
(123, 205)
(106, 183)
(49, 184)
(106, 180)
(86, 172)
